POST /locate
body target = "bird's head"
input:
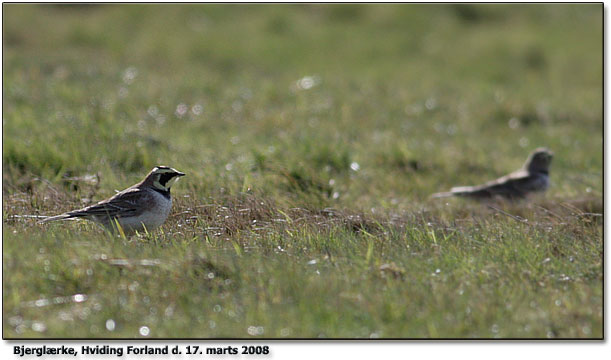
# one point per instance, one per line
(539, 160)
(163, 177)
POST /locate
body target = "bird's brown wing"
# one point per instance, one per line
(513, 186)
(129, 202)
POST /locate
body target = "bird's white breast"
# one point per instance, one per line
(541, 183)
(153, 217)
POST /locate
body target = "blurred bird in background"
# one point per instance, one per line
(532, 177)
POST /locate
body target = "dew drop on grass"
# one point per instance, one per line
(255, 330)
(307, 82)
(38, 326)
(15, 320)
(41, 302)
(431, 103)
(523, 142)
(181, 110)
(153, 111)
(20, 328)
(144, 331)
(60, 300)
(513, 123)
(197, 109)
(79, 298)
(65, 316)
(129, 75)
(84, 313)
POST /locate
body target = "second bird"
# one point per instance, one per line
(532, 177)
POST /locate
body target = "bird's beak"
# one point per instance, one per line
(178, 173)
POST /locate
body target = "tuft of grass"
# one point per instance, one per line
(219, 268)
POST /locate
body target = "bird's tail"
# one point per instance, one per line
(442, 195)
(455, 191)
(57, 217)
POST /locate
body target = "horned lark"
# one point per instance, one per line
(144, 205)
(532, 177)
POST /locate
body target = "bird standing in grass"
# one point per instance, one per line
(532, 177)
(145, 205)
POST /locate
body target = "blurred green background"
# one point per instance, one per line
(417, 97)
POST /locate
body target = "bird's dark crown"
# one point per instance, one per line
(161, 178)
(539, 160)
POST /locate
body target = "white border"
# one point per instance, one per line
(474, 350)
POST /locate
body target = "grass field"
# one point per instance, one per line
(312, 137)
